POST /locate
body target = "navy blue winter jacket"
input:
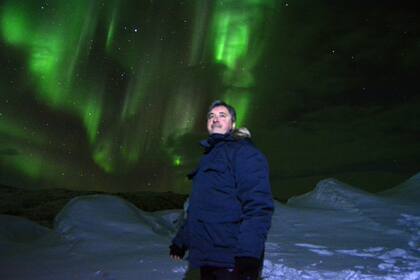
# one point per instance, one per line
(230, 206)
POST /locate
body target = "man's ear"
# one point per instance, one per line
(234, 125)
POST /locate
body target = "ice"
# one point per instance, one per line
(337, 231)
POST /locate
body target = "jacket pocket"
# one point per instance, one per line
(223, 235)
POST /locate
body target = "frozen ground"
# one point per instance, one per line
(334, 232)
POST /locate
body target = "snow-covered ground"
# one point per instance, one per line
(334, 232)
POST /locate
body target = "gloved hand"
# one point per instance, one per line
(247, 268)
(177, 252)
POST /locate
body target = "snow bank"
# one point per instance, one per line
(94, 237)
(20, 230)
(334, 232)
(102, 217)
(408, 190)
(333, 194)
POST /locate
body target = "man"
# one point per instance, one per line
(230, 206)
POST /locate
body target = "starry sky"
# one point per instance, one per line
(112, 95)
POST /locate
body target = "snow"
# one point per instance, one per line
(337, 231)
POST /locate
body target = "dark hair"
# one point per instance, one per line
(218, 103)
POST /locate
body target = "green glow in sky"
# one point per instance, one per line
(43, 63)
(111, 71)
(231, 38)
(14, 25)
(132, 100)
(240, 100)
(111, 31)
(234, 27)
(131, 148)
(177, 161)
(102, 156)
(91, 118)
(96, 94)
(30, 166)
(45, 55)
(52, 54)
(16, 130)
(35, 166)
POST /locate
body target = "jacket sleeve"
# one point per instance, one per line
(254, 194)
(181, 237)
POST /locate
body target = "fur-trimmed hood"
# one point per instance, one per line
(241, 133)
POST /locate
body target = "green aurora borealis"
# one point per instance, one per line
(112, 95)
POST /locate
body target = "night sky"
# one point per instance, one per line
(112, 95)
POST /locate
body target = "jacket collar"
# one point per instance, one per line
(215, 138)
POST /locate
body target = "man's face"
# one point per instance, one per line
(219, 120)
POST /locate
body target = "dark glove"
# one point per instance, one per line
(247, 268)
(175, 250)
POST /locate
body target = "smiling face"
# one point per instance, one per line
(219, 120)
